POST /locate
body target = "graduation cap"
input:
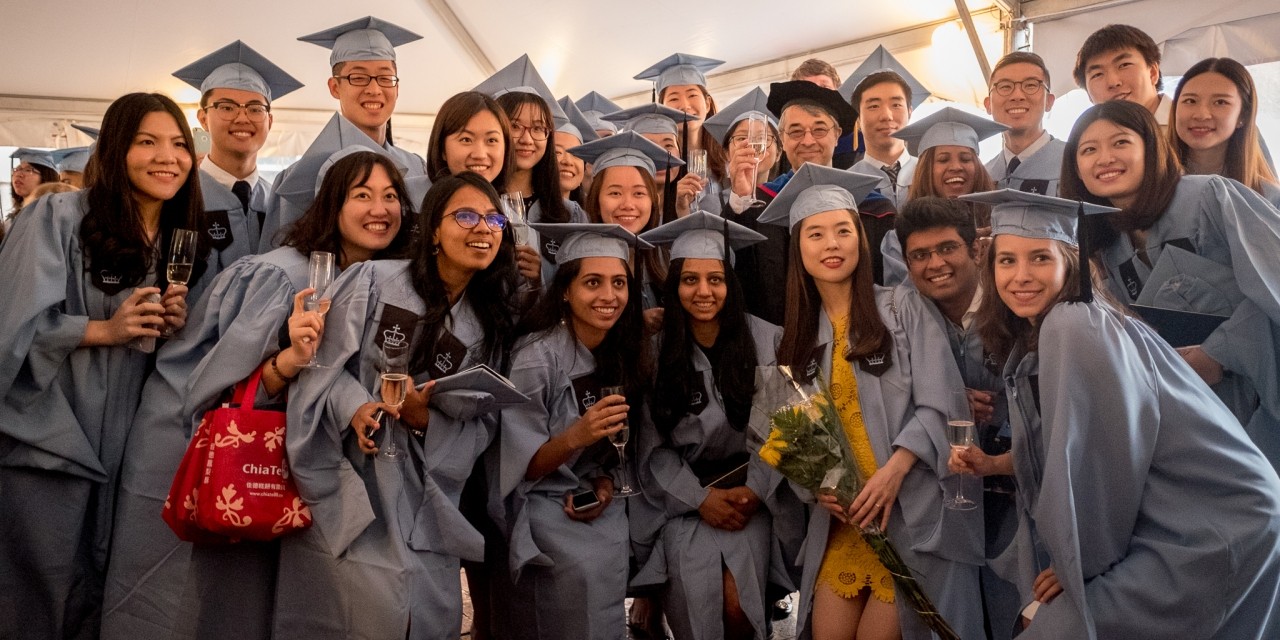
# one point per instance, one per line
(521, 77)
(679, 68)
(578, 126)
(92, 132)
(949, 126)
(627, 149)
(1031, 215)
(882, 60)
(595, 107)
(352, 150)
(782, 94)
(702, 235)
(72, 159)
(34, 156)
(818, 189)
(365, 39)
(297, 185)
(590, 240)
(757, 101)
(236, 66)
(650, 118)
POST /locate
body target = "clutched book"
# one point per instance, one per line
(1179, 328)
(1187, 296)
(478, 389)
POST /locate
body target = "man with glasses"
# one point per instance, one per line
(1019, 97)
(363, 78)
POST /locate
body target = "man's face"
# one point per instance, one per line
(244, 133)
(1122, 74)
(942, 266)
(1010, 103)
(807, 137)
(368, 107)
(882, 110)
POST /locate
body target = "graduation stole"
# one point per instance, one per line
(219, 231)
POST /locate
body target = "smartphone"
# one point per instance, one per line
(585, 500)
(202, 140)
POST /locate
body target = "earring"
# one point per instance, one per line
(435, 249)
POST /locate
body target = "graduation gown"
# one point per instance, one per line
(64, 418)
(1159, 516)
(295, 187)
(1229, 224)
(906, 174)
(1037, 174)
(233, 232)
(903, 401)
(383, 554)
(570, 577)
(762, 267)
(239, 323)
(690, 553)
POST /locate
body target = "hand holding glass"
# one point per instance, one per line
(393, 387)
(961, 434)
(698, 167)
(182, 259)
(619, 440)
(756, 129)
(321, 274)
(517, 217)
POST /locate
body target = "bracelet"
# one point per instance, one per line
(276, 370)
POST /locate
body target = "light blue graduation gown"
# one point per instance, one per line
(1036, 174)
(383, 555)
(230, 331)
(691, 553)
(233, 232)
(295, 187)
(905, 406)
(1159, 516)
(906, 175)
(570, 577)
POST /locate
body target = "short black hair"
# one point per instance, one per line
(930, 212)
(1115, 37)
(1016, 57)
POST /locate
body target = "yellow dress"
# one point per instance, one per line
(849, 564)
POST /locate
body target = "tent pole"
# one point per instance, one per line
(967, 19)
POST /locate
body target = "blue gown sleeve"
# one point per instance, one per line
(1250, 228)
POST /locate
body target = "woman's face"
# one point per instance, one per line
(477, 147)
(624, 198)
(953, 170)
(158, 162)
(738, 140)
(702, 289)
(1029, 273)
(1110, 161)
(688, 98)
(527, 126)
(463, 250)
(370, 217)
(829, 246)
(1208, 111)
(571, 168)
(668, 142)
(597, 297)
(25, 179)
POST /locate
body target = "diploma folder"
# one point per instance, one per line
(483, 379)
(1179, 328)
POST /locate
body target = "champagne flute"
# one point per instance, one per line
(619, 441)
(393, 387)
(321, 276)
(961, 434)
(513, 207)
(182, 258)
(698, 167)
(756, 129)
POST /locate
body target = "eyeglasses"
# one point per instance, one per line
(818, 133)
(21, 169)
(363, 80)
(537, 131)
(741, 139)
(943, 250)
(228, 110)
(1029, 87)
(468, 219)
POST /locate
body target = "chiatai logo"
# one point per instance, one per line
(264, 470)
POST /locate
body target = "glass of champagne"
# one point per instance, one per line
(619, 441)
(698, 167)
(321, 273)
(756, 128)
(182, 258)
(961, 434)
(393, 388)
(513, 207)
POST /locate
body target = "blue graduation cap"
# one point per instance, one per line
(948, 126)
(577, 126)
(757, 101)
(627, 149)
(365, 39)
(298, 184)
(679, 68)
(583, 240)
(820, 189)
(34, 156)
(595, 107)
(521, 76)
(882, 60)
(92, 132)
(349, 151)
(72, 159)
(237, 66)
(702, 235)
(650, 118)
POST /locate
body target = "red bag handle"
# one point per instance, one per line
(247, 389)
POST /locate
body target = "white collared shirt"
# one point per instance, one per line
(225, 179)
(1029, 151)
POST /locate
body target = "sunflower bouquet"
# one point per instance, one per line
(800, 434)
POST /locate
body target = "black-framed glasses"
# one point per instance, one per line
(468, 219)
(21, 169)
(818, 133)
(363, 80)
(1030, 87)
(537, 132)
(228, 110)
(943, 250)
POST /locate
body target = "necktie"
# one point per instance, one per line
(242, 190)
(892, 171)
(1013, 166)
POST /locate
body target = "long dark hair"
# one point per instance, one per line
(492, 292)
(46, 175)
(1161, 172)
(546, 175)
(652, 261)
(867, 331)
(734, 374)
(1244, 160)
(454, 114)
(922, 184)
(623, 355)
(111, 232)
(318, 229)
